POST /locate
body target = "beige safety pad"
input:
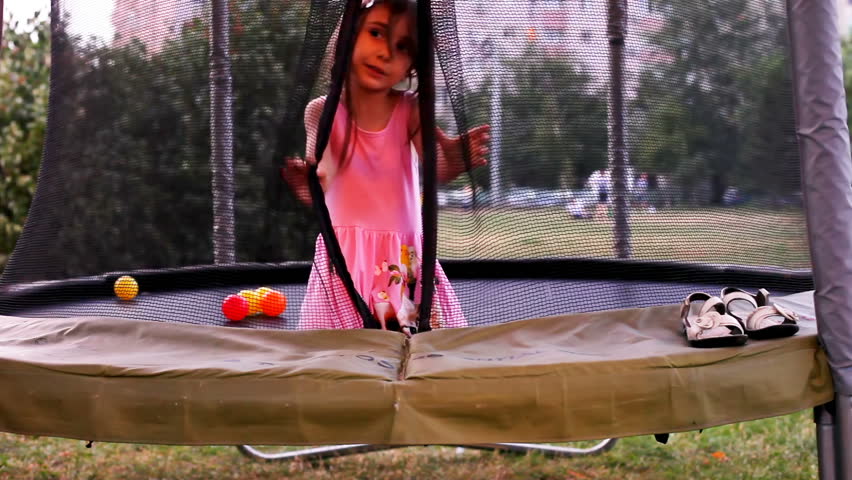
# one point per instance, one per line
(607, 374)
(585, 376)
(112, 379)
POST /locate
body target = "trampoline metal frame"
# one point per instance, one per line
(332, 451)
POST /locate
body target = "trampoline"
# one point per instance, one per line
(177, 383)
(162, 161)
(255, 355)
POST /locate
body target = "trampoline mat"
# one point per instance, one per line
(483, 302)
(572, 377)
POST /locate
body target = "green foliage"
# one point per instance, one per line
(132, 155)
(846, 50)
(772, 168)
(699, 109)
(555, 133)
(24, 72)
(130, 173)
(666, 147)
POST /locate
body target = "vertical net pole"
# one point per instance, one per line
(616, 22)
(843, 436)
(221, 135)
(823, 135)
(426, 78)
(494, 153)
(2, 25)
(824, 418)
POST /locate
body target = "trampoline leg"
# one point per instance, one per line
(843, 436)
(548, 450)
(321, 453)
(824, 419)
(311, 454)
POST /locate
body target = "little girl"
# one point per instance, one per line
(369, 175)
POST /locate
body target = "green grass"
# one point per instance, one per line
(742, 235)
(776, 448)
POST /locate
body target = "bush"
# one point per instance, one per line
(24, 86)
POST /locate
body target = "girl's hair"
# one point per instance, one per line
(398, 8)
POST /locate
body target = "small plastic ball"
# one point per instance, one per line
(262, 291)
(235, 307)
(125, 287)
(273, 303)
(253, 301)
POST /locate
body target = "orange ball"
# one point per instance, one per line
(273, 303)
(253, 301)
(125, 287)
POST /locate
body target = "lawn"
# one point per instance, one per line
(776, 448)
(742, 235)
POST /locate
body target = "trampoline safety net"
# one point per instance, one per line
(640, 150)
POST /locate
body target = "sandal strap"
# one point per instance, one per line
(712, 304)
(715, 319)
(714, 324)
(762, 297)
(763, 316)
(788, 314)
(684, 306)
(740, 296)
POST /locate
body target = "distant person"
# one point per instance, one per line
(655, 194)
(640, 193)
(599, 184)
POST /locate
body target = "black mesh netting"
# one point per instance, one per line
(609, 184)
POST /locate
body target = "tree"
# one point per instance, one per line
(24, 86)
(129, 174)
(772, 167)
(695, 108)
(554, 122)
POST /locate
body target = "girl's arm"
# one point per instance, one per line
(450, 156)
(295, 171)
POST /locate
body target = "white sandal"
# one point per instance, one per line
(707, 324)
(760, 318)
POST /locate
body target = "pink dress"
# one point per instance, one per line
(374, 202)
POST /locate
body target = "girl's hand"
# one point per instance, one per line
(475, 141)
(295, 173)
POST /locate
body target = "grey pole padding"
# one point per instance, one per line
(843, 436)
(826, 453)
(826, 174)
(221, 135)
(616, 29)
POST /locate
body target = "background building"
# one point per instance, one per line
(152, 21)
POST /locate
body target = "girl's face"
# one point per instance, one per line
(382, 56)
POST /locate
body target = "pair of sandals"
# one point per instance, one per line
(732, 318)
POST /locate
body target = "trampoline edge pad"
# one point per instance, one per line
(556, 379)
